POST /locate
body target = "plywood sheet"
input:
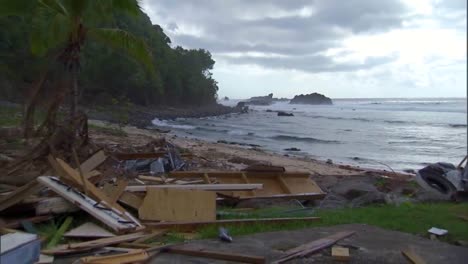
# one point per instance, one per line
(89, 230)
(178, 205)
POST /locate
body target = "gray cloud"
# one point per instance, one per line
(296, 33)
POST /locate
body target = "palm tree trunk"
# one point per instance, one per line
(73, 94)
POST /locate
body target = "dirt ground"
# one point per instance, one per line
(368, 245)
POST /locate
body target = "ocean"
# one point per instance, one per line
(372, 133)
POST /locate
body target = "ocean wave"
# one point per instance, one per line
(395, 122)
(305, 139)
(163, 123)
(457, 125)
(239, 133)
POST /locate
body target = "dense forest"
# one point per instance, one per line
(181, 77)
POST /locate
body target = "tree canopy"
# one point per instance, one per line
(178, 76)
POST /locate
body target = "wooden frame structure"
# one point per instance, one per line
(281, 185)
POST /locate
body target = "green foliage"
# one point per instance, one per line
(152, 74)
(410, 218)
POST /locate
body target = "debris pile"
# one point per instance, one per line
(131, 201)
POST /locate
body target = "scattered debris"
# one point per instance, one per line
(202, 252)
(88, 230)
(223, 235)
(340, 253)
(412, 256)
(314, 246)
(437, 231)
(108, 215)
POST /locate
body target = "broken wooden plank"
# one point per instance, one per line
(93, 162)
(88, 230)
(314, 246)
(133, 256)
(111, 218)
(114, 191)
(340, 253)
(130, 199)
(55, 205)
(94, 192)
(205, 187)
(19, 194)
(153, 235)
(412, 256)
(80, 171)
(194, 225)
(204, 253)
(93, 244)
(178, 205)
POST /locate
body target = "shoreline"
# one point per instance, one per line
(215, 155)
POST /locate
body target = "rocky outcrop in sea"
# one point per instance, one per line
(313, 98)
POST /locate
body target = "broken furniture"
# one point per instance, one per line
(170, 204)
(280, 185)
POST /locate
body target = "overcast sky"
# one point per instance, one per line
(341, 48)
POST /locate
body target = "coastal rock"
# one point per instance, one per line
(281, 113)
(313, 98)
(260, 100)
(292, 149)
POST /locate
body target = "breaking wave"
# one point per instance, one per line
(163, 123)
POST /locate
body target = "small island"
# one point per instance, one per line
(313, 99)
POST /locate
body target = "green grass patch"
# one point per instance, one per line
(410, 218)
(10, 116)
(113, 131)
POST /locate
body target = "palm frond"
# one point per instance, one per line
(49, 29)
(16, 7)
(55, 5)
(123, 40)
(76, 8)
(127, 6)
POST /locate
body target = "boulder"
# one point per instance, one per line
(313, 99)
(292, 149)
(281, 113)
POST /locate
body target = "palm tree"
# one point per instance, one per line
(61, 28)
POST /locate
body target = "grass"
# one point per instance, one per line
(410, 218)
(10, 116)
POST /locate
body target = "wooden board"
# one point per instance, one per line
(280, 185)
(55, 205)
(412, 256)
(314, 246)
(212, 254)
(340, 253)
(205, 187)
(130, 199)
(134, 256)
(19, 194)
(93, 162)
(90, 245)
(191, 225)
(111, 218)
(88, 230)
(178, 205)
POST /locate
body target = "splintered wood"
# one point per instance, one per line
(178, 205)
